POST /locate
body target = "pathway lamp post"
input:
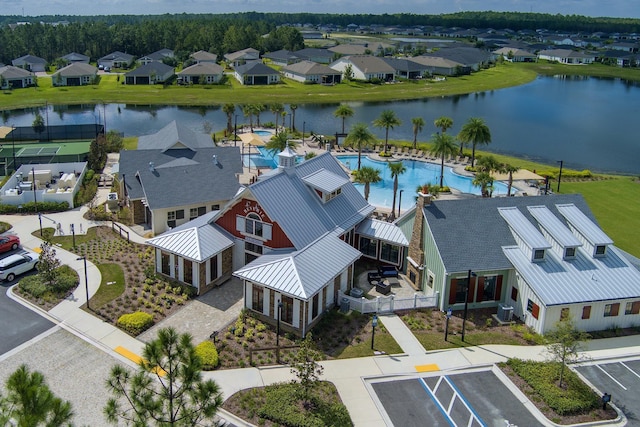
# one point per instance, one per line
(86, 278)
(40, 220)
(235, 130)
(446, 324)
(278, 331)
(466, 300)
(374, 323)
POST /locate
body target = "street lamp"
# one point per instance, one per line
(560, 174)
(303, 125)
(73, 233)
(13, 146)
(400, 202)
(40, 220)
(35, 201)
(446, 324)
(235, 130)
(86, 278)
(466, 301)
(374, 323)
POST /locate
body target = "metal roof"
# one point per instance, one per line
(325, 181)
(583, 279)
(584, 225)
(382, 230)
(529, 234)
(303, 273)
(554, 226)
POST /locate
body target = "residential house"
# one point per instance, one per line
(256, 73)
(311, 35)
(515, 55)
(158, 56)
(148, 74)
(321, 56)
(624, 46)
(566, 56)
(30, 63)
(241, 57)
(541, 257)
(281, 57)
(374, 48)
(202, 56)
(471, 58)
(311, 72)
(201, 73)
(75, 74)
(73, 57)
(176, 175)
(406, 68)
(15, 77)
(292, 262)
(621, 58)
(441, 66)
(116, 59)
(365, 67)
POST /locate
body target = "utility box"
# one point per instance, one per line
(505, 312)
(344, 305)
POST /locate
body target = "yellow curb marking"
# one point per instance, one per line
(37, 250)
(427, 368)
(137, 359)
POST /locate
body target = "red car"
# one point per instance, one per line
(9, 242)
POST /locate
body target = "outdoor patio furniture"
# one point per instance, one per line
(373, 277)
(383, 287)
(387, 271)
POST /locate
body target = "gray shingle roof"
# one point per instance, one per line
(255, 68)
(202, 69)
(151, 68)
(28, 59)
(310, 68)
(76, 69)
(174, 135)
(11, 72)
(470, 233)
(117, 55)
(181, 177)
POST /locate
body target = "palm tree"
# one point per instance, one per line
(443, 123)
(443, 146)
(343, 111)
(293, 108)
(484, 180)
(247, 110)
(279, 142)
(276, 109)
(387, 120)
(359, 137)
(474, 132)
(259, 108)
(396, 169)
(510, 169)
(418, 124)
(367, 176)
(229, 109)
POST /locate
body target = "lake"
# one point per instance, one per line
(589, 123)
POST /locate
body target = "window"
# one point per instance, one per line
(188, 271)
(514, 294)
(252, 247)
(257, 298)
(611, 310)
(461, 290)
(329, 196)
(489, 292)
(193, 213)
(430, 280)
(215, 207)
(287, 310)
(533, 308)
(564, 313)
(601, 249)
(315, 303)
(538, 254)
(390, 253)
(180, 214)
(171, 216)
(213, 267)
(632, 307)
(368, 247)
(570, 252)
(253, 225)
(165, 260)
(586, 312)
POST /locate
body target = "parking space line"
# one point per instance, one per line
(473, 413)
(612, 379)
(437, 402)
(630, 370)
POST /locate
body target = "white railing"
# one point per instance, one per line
(388, 304)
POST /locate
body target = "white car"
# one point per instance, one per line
(14, 265)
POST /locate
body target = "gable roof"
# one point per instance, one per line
(244, 53)
(28, 59)
(404, 64)
(174, 135)
(310, 68)
(181, 177)
(369, 64)
(255, 68)
(202, 69)
(11, 72)
(470, 234)
(117, 55)
(311, 218)
(202, 55)
(467, 56)
(314, 52)
(75, 57)
(76, 69)
(157, 68)
(281, 55)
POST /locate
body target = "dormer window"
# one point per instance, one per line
(600, 250)
(538, 255)
(328, 196)
(569, 253)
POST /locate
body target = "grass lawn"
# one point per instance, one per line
(66, 242)
(111, 286)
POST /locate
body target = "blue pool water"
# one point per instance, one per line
(418, 173)
(263, 160)
(263, 133)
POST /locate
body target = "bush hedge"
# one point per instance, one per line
(66, 279)
(208, 355)
(543, 377)
(30, 207)
(135, 323)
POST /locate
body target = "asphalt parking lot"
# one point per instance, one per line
(474, 399)
(620, 379)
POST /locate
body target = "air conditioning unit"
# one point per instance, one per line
(505, 312)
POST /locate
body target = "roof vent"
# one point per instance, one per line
(215, 159)
(152, 167)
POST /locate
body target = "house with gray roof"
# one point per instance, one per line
(201, 73)
(311, 72)
(15, 77)
(567, 56)
(30, 63)
(75, 74)
(116, 59)
(204, 56)
(149, 74)
(441, 66)
(74, 57)
(256, 73)
(542, 258)
(292, 262)
(470, 57)
(157, 56)
(281, 57)
(241, 57)
(406, 68)
(365, 67)
(321, 56)
(513, 54)
(177, 175)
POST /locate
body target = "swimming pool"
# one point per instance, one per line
(263, 133)
(263, 160)
(418, 173)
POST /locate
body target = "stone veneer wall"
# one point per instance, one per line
(416, 244)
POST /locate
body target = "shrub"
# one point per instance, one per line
(33, 286)
(135, 323)
(208, 355)
(67, 278)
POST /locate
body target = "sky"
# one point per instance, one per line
(610, 8)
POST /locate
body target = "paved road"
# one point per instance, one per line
(621, 379)
(18, 324)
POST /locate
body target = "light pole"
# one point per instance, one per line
(446, 324)
(466, 301)
(559, 174)
(73, 233)
(86, 278)
(13, 146)
(40, 220)
(278, 332)
(35, 201)
(374, 323)
(400, 202)
(235, 130)
(303, 125)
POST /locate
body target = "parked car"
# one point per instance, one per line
(14, 265)
(9, 242)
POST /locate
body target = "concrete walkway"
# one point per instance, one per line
(403, 335)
